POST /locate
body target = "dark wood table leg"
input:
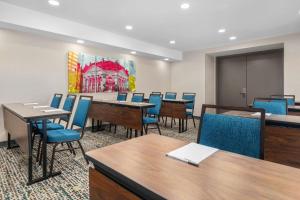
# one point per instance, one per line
(30, 144)
(44, 148)
(179, 125)
(93, 125)
(8, 141)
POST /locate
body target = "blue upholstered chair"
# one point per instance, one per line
(56, 100)
(190, 106)
(237, 134)
(291, 99)
(157, 93)
(70, 136)
(170, 95)
(137, 97)
(152, 114)
(122, 96)
(272, 105)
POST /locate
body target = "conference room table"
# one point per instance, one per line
(19, 119)
(175, 109)
(124, 113)
(281, 138)
(140, 169)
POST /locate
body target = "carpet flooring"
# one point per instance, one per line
(73, 182)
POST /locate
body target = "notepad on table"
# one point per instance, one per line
(52, 110)
(35, 107)
(258, 114)
(192, 153)
(29, 104)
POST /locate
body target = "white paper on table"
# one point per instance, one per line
(258, 114)
(29, 104)
(35, 107)
(52, 110)
(192, 153)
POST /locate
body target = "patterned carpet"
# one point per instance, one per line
(73, 182)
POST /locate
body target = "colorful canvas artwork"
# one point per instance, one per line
(94, 74)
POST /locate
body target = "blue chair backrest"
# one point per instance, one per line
(56, 101)
(277, 107)
(189, 97)
(122, 97)
(81, 113)
(231, 133)
(170, 95)
(137, 98)
(156, 100)
(291, 101)
(69, 103)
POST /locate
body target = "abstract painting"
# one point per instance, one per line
(94, 74)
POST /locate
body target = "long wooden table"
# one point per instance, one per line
(175, 108)
(139, 169)
(128, 114)
(18, 121)
(281, 138)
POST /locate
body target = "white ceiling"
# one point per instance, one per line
(159, 21)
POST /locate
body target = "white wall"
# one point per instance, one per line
(189, 76)
(33, 68)
(197, 70)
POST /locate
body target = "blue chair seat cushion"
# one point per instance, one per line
(62, 135)
(51, 126)
(150, 120)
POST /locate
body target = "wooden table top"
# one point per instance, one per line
(125, 103)
(140, 165)
(27, 112)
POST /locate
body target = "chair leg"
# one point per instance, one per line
(127, 133)
(115, 129)
(172, 122)
(38, 150)
(194, 121)
(166, 121)
(83, 153)
(146, 130)
(158, 128)
(71, 148)
(186, 122)
(109, 127)
(136, 133)
(52, 159)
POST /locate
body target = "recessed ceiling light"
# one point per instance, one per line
(133, 52)
(128, 27)
(185, 6)
(166, 59)
(80, 41)
(232, 38)
(172, 42)
(53, 2)
(222, 30)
